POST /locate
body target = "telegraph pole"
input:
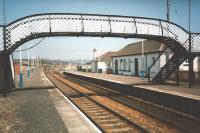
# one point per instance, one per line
(168, 9)
(167, 50)
(4, 12)
(190, 49)
(94, 50)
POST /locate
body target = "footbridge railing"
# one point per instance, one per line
(180, 42)
(68, 24)
(1, 38)
(195, 43)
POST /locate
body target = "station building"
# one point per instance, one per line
(103, 63)
(129, 61)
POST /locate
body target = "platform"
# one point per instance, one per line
(176, 98)
(181, 90)
(40, 107)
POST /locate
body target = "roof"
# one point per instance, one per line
(106, 56)
(150, 46)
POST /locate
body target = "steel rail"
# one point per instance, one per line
(103, 106)
(98, 89)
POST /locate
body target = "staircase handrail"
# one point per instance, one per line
(149, 68)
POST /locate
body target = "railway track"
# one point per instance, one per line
(108, 109)
(106, 119)
(181, 122)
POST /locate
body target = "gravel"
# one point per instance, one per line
(29, 111)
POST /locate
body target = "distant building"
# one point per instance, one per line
(70, 67)
(98, 67)
(128, 60)
(196, 65)
(184, 70)
(102, 63)
(87, 67)
(84, 67)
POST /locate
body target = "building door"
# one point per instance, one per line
(116, 67)
(136, 66)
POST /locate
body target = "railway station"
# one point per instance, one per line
(74, 70)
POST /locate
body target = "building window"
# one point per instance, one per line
(129, 64)
(124, 64)
(121, 64)
(153, 60)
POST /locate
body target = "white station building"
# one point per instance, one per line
(128, 60)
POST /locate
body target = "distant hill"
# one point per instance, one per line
(79, 61)
(50, 61)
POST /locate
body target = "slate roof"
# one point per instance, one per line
(150, 46)
(106, 56)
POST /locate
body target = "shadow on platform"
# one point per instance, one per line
(33, 88)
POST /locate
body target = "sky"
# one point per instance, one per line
(65, 48)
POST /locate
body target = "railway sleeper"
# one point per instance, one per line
(110, 121)
(89, 108)
(102, 117)
(115, 125)
(99, 113)
(123, 130)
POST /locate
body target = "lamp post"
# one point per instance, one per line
(32, 61)
(20, 73)
(82, 60)
(142, 60)
(96, 65)
(28, 65)
(94, 50)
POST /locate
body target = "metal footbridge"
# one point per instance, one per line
(181, 43)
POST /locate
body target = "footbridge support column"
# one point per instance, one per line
(191, 71)
(190, 60)
(6, 78)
